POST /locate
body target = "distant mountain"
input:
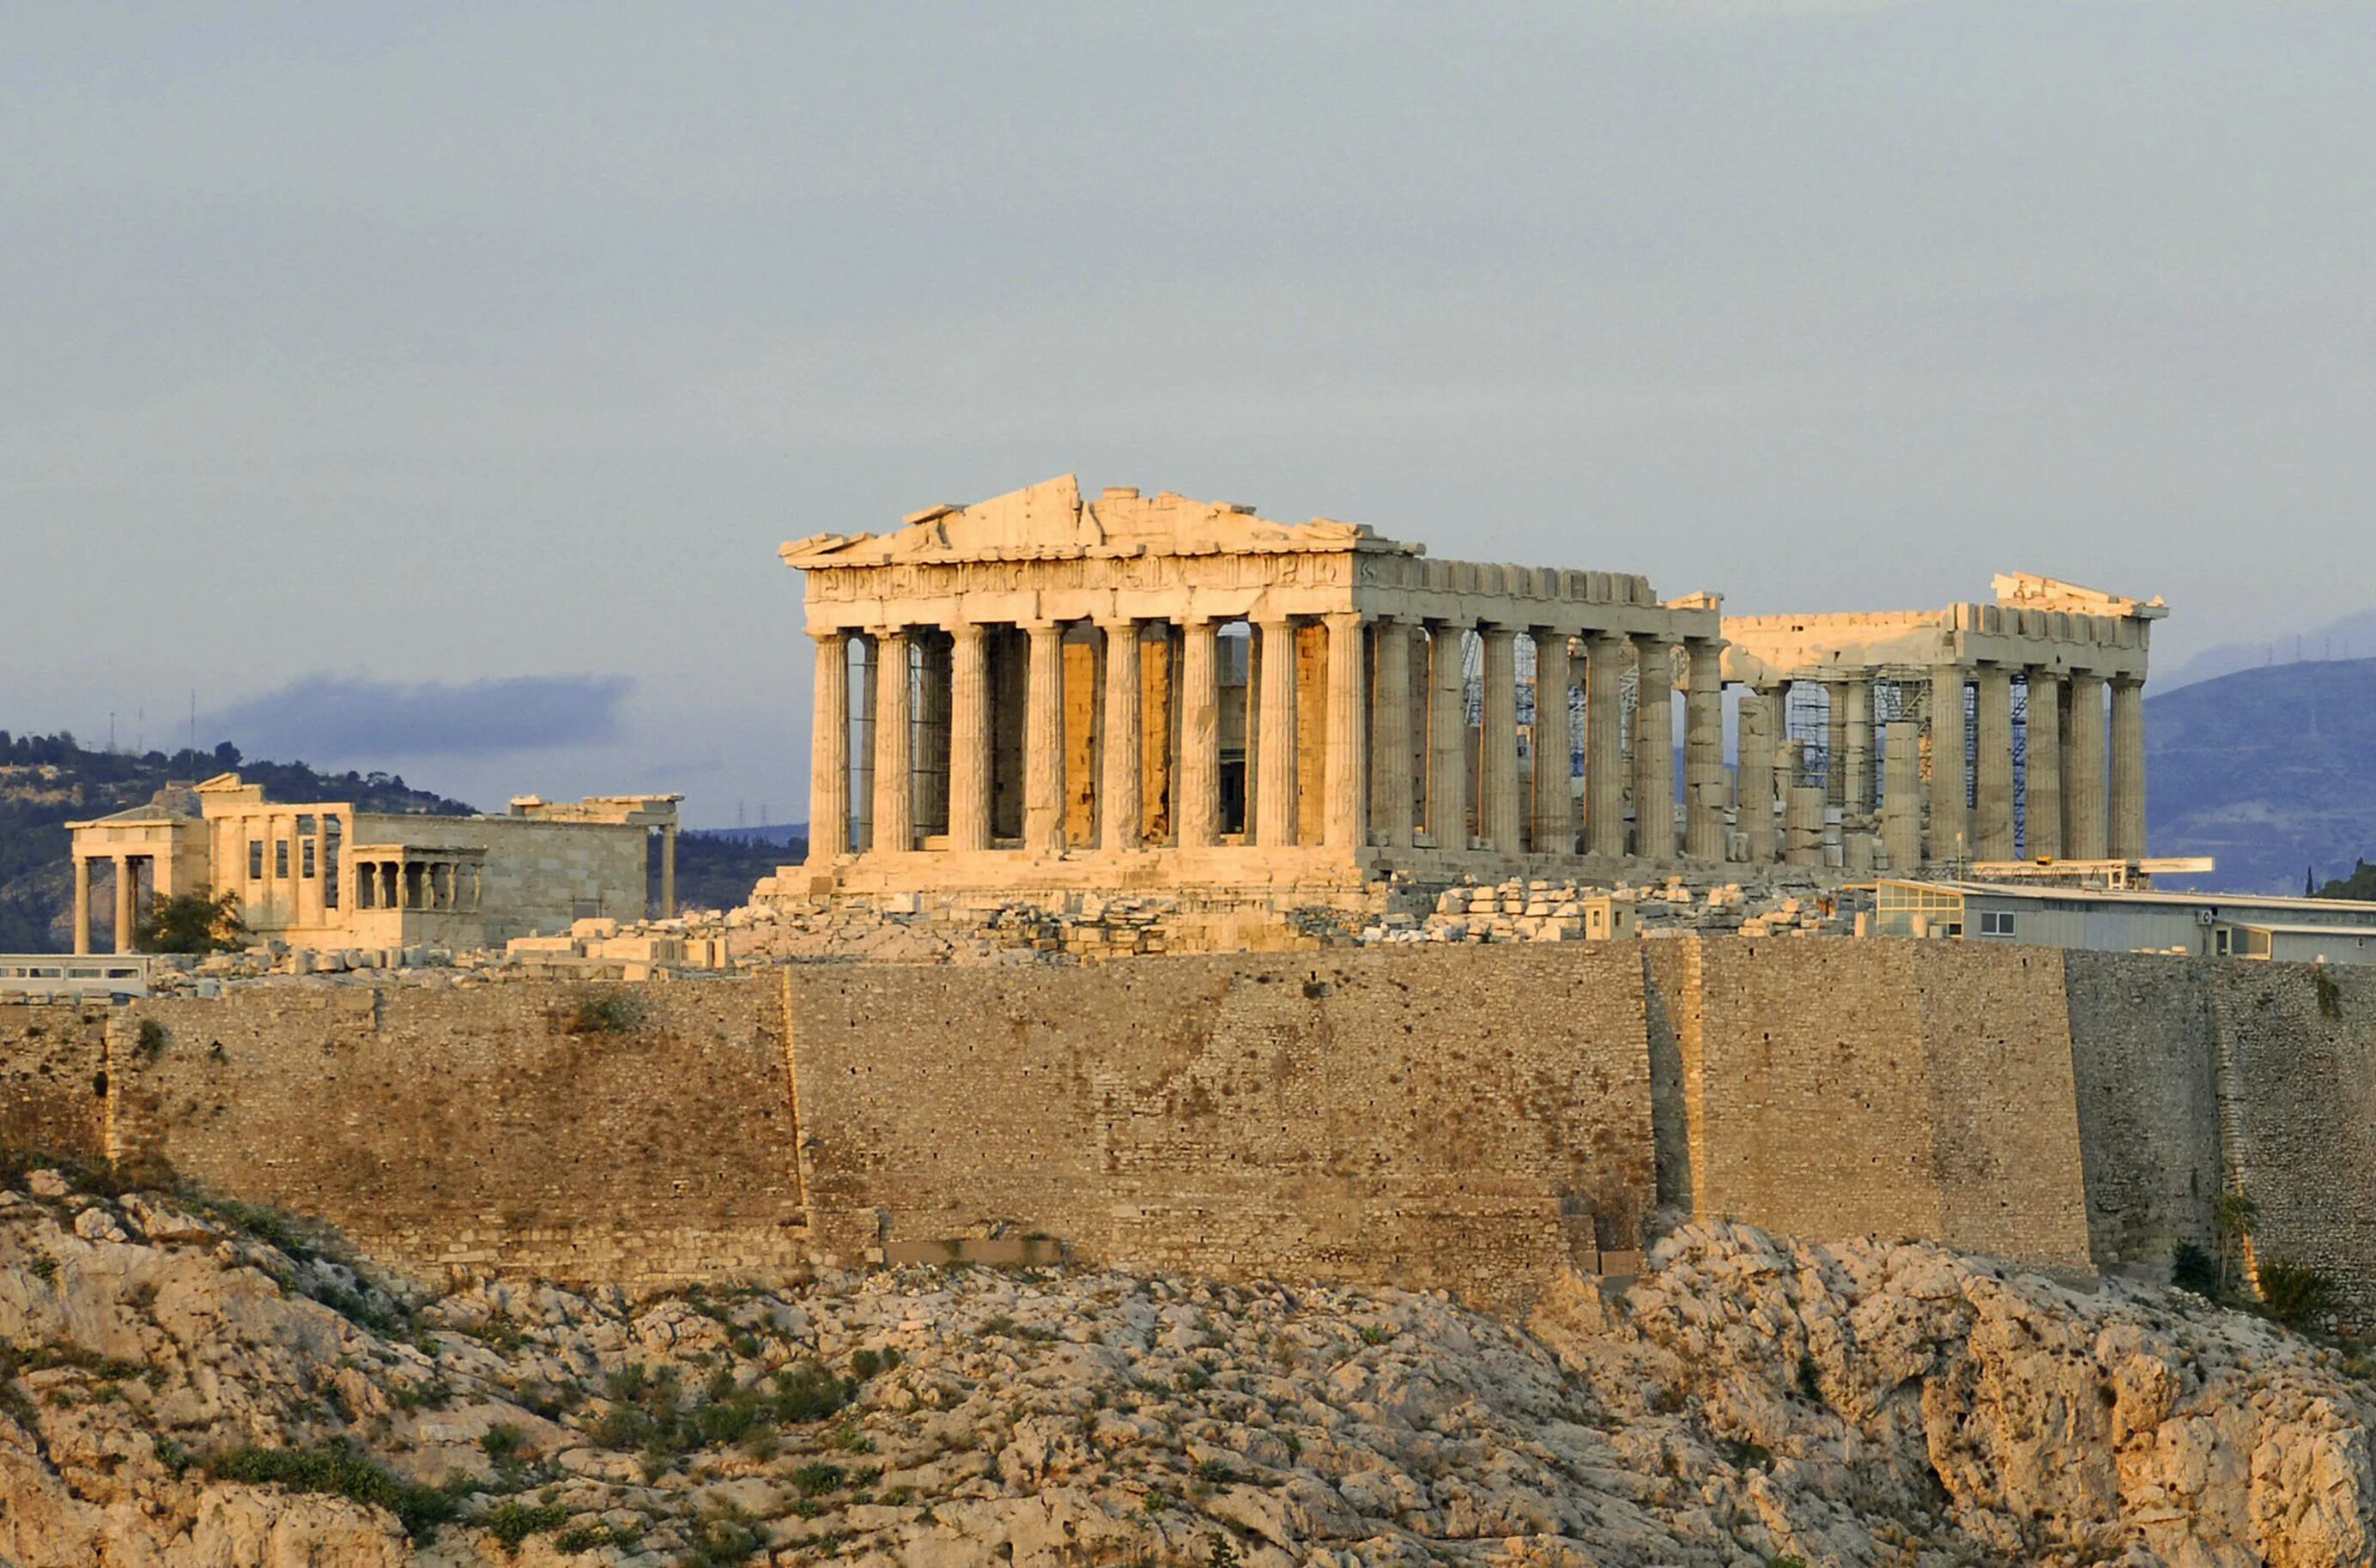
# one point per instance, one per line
(2272, 770)
(2354, 635)
(47, 781)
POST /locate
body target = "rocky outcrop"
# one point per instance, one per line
(191, 1385)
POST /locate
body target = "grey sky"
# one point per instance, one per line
(428, 344)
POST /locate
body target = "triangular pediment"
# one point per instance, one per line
(1050, 520)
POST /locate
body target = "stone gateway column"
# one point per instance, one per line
(1755, 769)
(1200, 736)
(1497, 750)
(1120, 802)
(1654, 749)
(1992, 837)
(1951, 826)
(829, 752)
(2042, 767)
(1901, 797)
(968, 736)
(1704, 779)
(1553, 828)
(1276, 755)
(894, 746)
(1345, 759)
(1604, 746)
(1043, 742)
(1447, 741)
(82, 904)
(1390, 735)
(2128, 782)
(123, 898)
(2084, 821)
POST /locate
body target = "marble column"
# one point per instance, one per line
(668, 871)
(2042, 776)
(969, 736)
(1553, 829)
(1199, 803)
(1802, 807)
(1653, 748)
(1346, 758)
(1390, 735)
(82, 904)
(1992, 836)
(1950, 824)
(2084, 820)
(1604, 745)
(1836, 743)
(1447, 739)
(1120, 802)
(1276, 759)
(1704, 778)
(1901, 797)
(894, 745)
(1043, 742)
(1755, 771)
(1497, 744)
(124, 903)
(2128, 774)
(1856, 748)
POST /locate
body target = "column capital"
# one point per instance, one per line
(1115, 623)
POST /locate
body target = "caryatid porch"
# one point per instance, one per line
(1152, 692)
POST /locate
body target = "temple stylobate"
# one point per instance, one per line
(1040, 692)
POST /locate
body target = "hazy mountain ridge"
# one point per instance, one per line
(2272, 770)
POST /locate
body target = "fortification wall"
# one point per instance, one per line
(473, 1128)
(2145, 1063)
(1469, 1119)
(53, 1080)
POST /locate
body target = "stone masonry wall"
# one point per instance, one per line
(1445, 1117)
(53, 1080)
(472, 1128)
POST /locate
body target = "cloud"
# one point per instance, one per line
(325, 719)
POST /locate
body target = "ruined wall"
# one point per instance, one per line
(53, 1080)
(1467, 1118)
(2297, 1054)
(472, 1128)
(1892, 1088)
(2145, 1062)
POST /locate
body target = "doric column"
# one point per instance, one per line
(1836, 743)
(1604, 745)
(1447, 739)
(1119, 796)
(2042, 765)
(969, 731)
(82, 903)
(1497, 743)
(1200, 735)
(1802, 807)
(1390, 735)
(1653, 748)
(2128, 781)
(2084, 820)
(1276, 755)
(1553, 831)
(1756, 767)
(1346, 758)
(1704, 779)
(829, 751)
(1950, 828)
(668, 871)
(894, 745)
(1901, 797)
(1043, 742)
(124, 903)
(1992, 836)
(1855, 758)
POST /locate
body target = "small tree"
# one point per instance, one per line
(193, 922)
(2233, 1214)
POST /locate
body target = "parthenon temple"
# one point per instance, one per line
(1040, 692)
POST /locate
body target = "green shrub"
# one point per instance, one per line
(152, 1040)
(2192, 1268)
(2295, 1295)
(512, 1522)
(1810, 1379)
(818, 1477)
(343, 1471)
(2329, 995)
(603, 1013)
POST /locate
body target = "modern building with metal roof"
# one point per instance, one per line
(2221, 925)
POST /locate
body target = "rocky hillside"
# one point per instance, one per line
(2272, 770)
(194, 1385)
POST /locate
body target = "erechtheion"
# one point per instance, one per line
(1040, 692)
(325, 875)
